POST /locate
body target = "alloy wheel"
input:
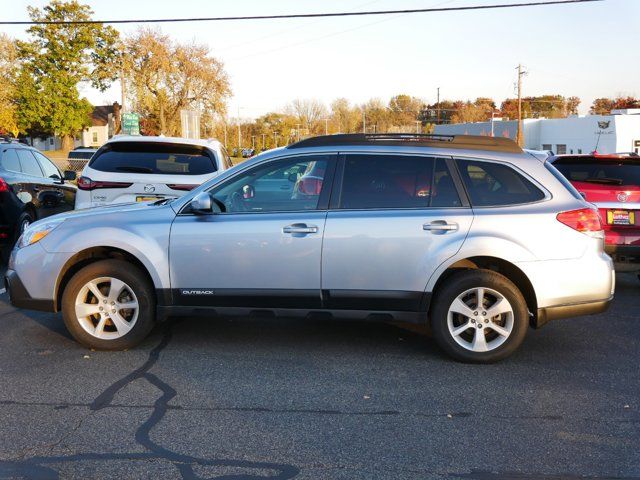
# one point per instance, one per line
(106, 308)
(480, 319)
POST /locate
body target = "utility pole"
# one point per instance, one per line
(253, 142)
(123, 90)
(326, 126)
(239, 132)
(438, 108)
(493, 112)
(224, 120)
(298, 131)
(263, 135)
(275, 139)
(417, 126)
(520, 134)
(364, 122)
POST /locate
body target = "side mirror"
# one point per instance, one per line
(70, 175)
(248, 192)
(205, 204)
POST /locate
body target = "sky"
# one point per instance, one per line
(589, 50)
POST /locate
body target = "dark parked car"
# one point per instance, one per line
(31, 188)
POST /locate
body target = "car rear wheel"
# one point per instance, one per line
(109, 305)
(479, 316)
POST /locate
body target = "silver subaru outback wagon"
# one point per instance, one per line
(469, 235)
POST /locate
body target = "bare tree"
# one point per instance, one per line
(308, 112)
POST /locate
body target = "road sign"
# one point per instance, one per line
(131, 123)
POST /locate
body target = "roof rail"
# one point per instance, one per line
(467, 142)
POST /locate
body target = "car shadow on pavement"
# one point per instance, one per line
(279, 334)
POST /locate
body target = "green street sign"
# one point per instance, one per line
(131, 123)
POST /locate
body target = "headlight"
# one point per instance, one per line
(37, 232)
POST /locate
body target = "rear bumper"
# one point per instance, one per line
(623, 253)
(19, 296)
(558, 312)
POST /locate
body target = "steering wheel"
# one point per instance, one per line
(237, 203)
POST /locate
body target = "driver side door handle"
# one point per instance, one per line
(300, 228)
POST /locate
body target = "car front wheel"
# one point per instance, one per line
(479, 316)
(109, 305)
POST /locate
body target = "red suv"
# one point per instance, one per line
(612, 183)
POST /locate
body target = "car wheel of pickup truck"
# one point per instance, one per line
(109, 305)
(479, 316)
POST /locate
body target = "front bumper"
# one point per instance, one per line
(19, 296)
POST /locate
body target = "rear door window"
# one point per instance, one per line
(9, 160)
(396, 181)
(153, 158)
(50, 170)
(492, 184)
(617, 172)
(29, 163)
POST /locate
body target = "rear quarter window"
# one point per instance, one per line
(492, 184)
(153, 158)
(9, 161)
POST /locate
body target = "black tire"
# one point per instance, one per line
(457, 284)
(5, 253)
(134, 278)
(24, 220)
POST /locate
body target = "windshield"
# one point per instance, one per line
(601, 171)
(153, 158)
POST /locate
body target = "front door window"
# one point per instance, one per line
(282, 186)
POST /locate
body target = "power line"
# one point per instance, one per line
(299, 15)
(329, 35)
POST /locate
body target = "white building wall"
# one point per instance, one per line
(627, 133)
(609, 133)
(95, 136)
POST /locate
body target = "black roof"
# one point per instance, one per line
(466, 142)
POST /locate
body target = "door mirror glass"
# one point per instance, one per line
(70, 175)
(204, 204)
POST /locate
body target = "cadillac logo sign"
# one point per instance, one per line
(622, 197)
(149, 189)
(604, 125)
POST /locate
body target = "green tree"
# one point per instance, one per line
(54, 61)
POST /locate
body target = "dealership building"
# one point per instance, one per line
(618, 132)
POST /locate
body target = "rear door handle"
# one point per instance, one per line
(300, 228)
(440, 226)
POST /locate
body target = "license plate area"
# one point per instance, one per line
(621, 217)
(148, 198)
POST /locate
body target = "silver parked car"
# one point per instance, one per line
(469, 234)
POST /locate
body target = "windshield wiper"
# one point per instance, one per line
(607, 181)
(135, 169)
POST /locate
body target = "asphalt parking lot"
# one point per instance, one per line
(262, 398)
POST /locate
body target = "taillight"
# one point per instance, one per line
(585, 220)
(85, 183)
(310, 186)
(179, 186)
(4, 186)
